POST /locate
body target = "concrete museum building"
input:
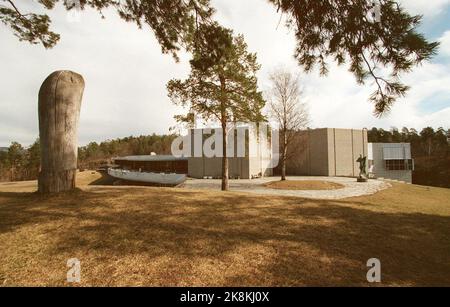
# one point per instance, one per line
(316, 152)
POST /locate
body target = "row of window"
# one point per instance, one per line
(399, 165)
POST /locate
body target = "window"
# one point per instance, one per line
(399, 165)
(409, 165)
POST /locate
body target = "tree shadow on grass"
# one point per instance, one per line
(105, 179)
(254, 240)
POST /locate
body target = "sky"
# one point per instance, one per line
(126, 74)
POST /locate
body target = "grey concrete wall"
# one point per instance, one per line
(343, 151)
(238, 167)
(245, 168)
(328, 152)
(310, 154)
(298, 164)
(212, 167)
(331, 152)
(195, 167)
(344, 147)
(318, 152)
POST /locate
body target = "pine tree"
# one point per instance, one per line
(345, 31)
(222, 84)
(172, 21)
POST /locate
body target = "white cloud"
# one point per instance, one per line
(426, 8)
(445, 44)
(335, 100)
(123, 67)
(126, 75)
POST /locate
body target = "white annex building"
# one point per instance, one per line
(391, 161)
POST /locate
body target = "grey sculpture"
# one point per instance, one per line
(362, 168)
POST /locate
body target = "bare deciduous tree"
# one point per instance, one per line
(288, 110)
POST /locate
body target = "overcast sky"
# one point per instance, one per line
(126, 74)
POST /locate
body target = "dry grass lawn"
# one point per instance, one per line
(304, 185)
(163, 236)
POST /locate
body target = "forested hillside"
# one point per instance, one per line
(430, 150)
(20, 163)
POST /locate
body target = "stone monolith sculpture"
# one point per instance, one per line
(59, 110)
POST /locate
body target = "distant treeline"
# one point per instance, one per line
(19, 163)
(94, 154)
(430, 150)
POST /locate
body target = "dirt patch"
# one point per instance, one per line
(305, 185)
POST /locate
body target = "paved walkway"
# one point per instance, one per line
(351, 189)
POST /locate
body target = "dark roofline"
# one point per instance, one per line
(151, 158)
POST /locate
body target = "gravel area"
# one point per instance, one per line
(351, 187)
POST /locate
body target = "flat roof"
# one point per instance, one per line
(391, 144)
(149, 158)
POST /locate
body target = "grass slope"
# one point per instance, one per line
(163, 236)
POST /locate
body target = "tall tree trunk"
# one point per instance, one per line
(59, 110)
(283, 157)
(283, 169)
(223, 120)
(225, 185)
